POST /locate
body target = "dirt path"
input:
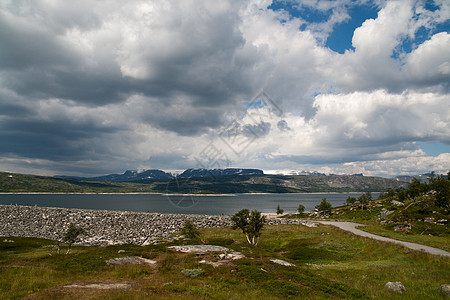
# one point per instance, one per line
(350, 226)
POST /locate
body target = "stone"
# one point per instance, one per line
(100, 286)
(384, 213)
(395, 286)
(403, 228)
(131, 260)
(199, 248)
(445, 289)
(397, 203)
(235, 255)
(282, 262)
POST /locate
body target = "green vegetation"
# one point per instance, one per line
(329, 263)
(251, 224)
(71, 235)
(279, 210)
(190, 230)
(417, 214)
(324, 206)
(301, 209)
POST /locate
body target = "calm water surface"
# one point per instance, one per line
(180, 204)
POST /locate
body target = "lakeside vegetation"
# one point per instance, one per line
(418, 214)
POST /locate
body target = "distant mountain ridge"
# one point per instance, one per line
(159, 175)
(200, 173)
(133, 175)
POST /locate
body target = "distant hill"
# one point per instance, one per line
(421, 177)
(131, 175)
(198, 173)
(281, 184)
(197, 181)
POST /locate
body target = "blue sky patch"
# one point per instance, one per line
(341, 37)
(434, 148)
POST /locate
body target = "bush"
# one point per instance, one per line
(192, 273)
(190, 230)
(301, 209)
(350, 200)
(279, 210)
(324, 206)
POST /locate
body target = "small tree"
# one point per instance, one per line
(364, 200)
(72, 234)
(190, 230)
(301, 209)
(350, 200)
(324, 206)
(279, 210)
(250, 224)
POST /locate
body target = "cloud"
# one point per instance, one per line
(102, 86)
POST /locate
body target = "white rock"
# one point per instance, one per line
(282, 262)
(395, 286)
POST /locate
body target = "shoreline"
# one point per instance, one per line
(166, 194)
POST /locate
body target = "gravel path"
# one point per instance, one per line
(350, 226)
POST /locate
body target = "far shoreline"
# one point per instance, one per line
(174, 194)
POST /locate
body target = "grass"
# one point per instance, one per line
(330, 263)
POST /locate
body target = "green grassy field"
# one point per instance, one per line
(329, 263)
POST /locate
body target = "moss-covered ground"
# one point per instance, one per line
(329, 264)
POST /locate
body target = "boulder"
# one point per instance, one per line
(403, 228)
(397, 203)
(199, 248)
(395, 287)
(444, 289)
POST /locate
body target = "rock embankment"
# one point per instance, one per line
(103, 227)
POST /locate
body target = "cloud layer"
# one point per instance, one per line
(103, 86)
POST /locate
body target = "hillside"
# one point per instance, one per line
(419, 213)
(17, 183)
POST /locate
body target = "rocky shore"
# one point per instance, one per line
(104, 227)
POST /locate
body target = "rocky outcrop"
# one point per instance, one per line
(104, 227)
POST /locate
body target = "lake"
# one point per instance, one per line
(179, 204)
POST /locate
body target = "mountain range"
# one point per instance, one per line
(159, 175)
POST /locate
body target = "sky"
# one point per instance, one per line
(98, 87)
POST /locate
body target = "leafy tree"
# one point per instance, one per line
(416, 188)
(301, 209)
(250, 224)
(350, 200)
(279, 210)
(442, 188)
(324, 206)
(72, 234)
(364, 200)
(190, 230)
(369, 195)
